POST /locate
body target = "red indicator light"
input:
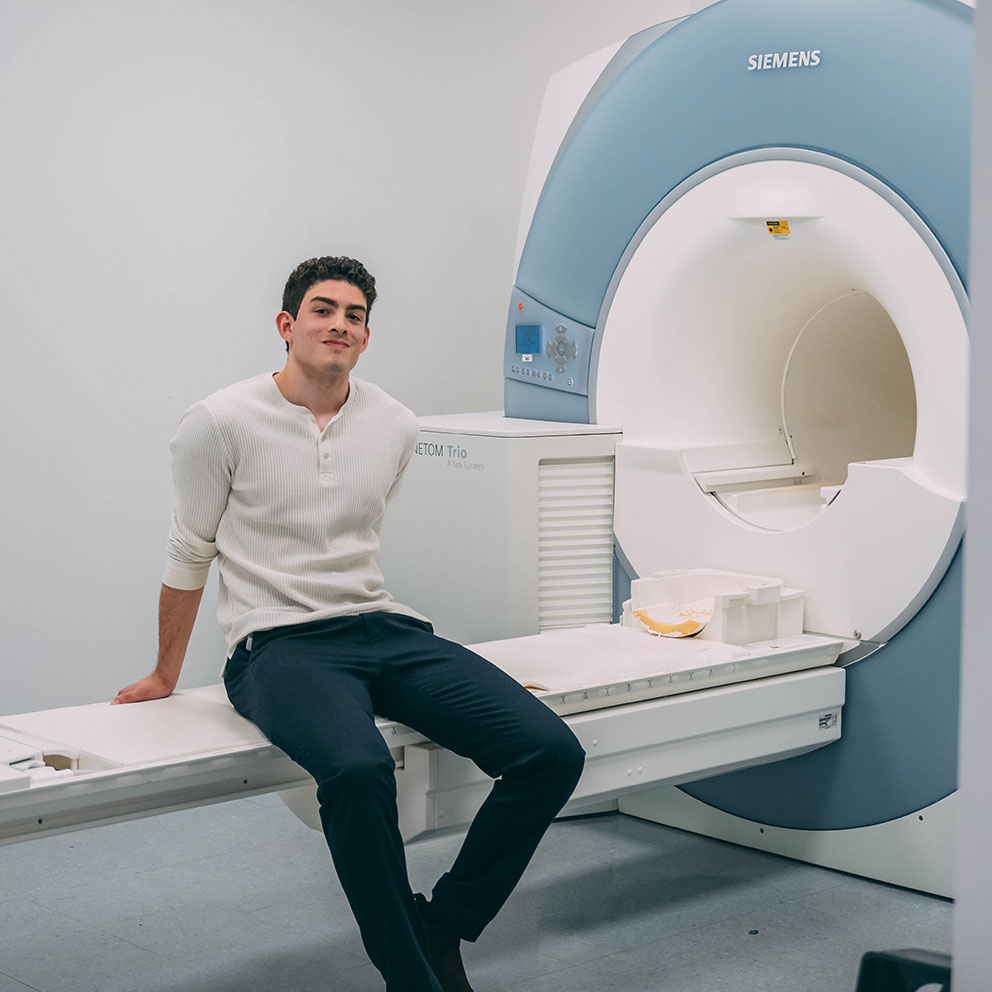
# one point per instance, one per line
(520, 306)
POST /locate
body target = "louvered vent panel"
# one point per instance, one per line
(575, 542)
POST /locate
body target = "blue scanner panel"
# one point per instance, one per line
(890, 94)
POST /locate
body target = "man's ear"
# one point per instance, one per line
(284, 325)
(368, 331)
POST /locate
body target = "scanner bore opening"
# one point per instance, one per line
(695, 334)
(771, 363)
(847, 396)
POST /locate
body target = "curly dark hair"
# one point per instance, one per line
(315, 270)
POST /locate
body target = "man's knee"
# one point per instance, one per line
(571, 756)
(559, 755)
(353, 775)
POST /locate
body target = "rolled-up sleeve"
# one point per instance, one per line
(202, 469)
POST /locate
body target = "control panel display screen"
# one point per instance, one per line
(528, 339)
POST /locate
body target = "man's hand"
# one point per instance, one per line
(152, 687)
(176, 615)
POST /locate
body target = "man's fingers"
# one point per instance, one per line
(138, 692)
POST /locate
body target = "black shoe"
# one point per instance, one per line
(442, 950)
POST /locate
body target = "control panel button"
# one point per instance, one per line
(546, 349)
(561, 349)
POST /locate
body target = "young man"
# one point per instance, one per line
(284, 479)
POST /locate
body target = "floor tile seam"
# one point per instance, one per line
(187, 862)
(736, 953)
(820, 889)
(195, 899)
(774, 904)
(55, 875)
(290, 928)
(798, 934)
(338, 972)
(117, 921)
(836, 876)
(565, 965)
(898, 890)
(523, 982)
(716, 921)
(243, 847)
(819, 893)
(623, 953)
(277, 930)
(125, 940)
(207, 955)
(61, 888)
(222, 972)
(50, 909)
(517, 985)
(541, 957)
(33, 988)
(135, 872)
(71, 889)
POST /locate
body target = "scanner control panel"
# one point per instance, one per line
(546, 348)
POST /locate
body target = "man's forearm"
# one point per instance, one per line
(176, 616)
(177, 610)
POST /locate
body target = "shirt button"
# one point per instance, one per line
(326, 455)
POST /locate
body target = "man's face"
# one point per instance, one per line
(330, 330)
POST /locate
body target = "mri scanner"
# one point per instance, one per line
(735, 371)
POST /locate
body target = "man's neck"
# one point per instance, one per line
(322, 397)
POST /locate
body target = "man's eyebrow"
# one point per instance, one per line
(334, 303)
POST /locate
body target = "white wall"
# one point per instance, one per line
(972, 963)
(166, 163)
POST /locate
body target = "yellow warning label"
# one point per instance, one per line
(778, 228)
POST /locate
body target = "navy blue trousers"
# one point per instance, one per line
(313, 689)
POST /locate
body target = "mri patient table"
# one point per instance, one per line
(647, 711)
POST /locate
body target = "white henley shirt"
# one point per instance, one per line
(291, 513)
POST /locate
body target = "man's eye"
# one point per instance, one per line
(355, 318)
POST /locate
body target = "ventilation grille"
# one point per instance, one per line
(575, 542)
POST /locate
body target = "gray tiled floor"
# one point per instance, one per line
(241, 897)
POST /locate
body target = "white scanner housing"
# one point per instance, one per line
(791, 404)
